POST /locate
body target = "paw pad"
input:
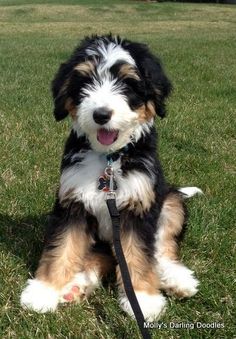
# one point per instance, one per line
(74, 294)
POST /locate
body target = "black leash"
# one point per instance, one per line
(115, 218)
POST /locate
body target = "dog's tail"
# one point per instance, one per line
(188, 192)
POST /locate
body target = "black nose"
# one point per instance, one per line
(102, 115)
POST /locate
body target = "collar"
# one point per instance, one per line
(111, 157)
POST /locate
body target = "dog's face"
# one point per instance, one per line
(112, 89)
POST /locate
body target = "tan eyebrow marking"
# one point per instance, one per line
(85, 68)
(128, 71)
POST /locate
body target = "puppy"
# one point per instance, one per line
(113, 89)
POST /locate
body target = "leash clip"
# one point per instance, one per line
(111, 194)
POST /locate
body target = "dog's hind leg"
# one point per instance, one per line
(176, 279)
(67, 244)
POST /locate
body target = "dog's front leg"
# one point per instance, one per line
(141, 265)
(62, 264)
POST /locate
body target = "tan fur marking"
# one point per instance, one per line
(146, 112)
(171, 223)
(128, 71)
(99, 262)
(150, 110)
(142, 273)
(140, 207)
(71, 108)
(85, 68)
(59, 265)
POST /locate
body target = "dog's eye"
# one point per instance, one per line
(134, 98)
(76, 85)
(135, 92)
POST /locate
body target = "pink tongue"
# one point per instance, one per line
(106, 137)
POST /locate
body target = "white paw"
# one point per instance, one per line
(152, 305)
(189, 192)
(79, 287)
(39, 296)
(176, 279)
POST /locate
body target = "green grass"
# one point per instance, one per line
(197, 147)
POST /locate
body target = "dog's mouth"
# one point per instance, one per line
(106, 137)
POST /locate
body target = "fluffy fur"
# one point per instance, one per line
(113, 89)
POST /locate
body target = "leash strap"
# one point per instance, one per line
(115, 218)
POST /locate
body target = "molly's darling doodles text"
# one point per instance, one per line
(182, 325)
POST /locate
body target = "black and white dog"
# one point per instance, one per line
(113, 89)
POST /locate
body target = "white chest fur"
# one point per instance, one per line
(82, 180)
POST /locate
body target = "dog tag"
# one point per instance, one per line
(106, 182)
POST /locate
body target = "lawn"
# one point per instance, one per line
(197, 146)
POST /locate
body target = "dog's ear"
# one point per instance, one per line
(63, 104)
(158, 86)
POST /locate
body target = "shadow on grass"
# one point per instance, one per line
(23, 237)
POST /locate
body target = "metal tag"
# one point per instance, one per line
(107, 181)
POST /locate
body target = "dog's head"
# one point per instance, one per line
(113, 89)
